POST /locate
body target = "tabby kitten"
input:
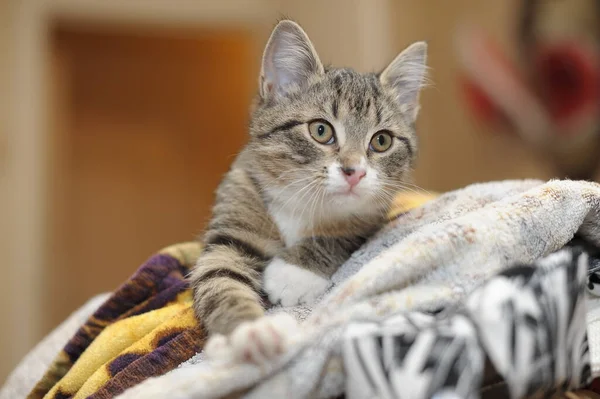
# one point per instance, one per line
(329, 148)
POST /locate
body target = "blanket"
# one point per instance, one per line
(144, 329)
(426, 260)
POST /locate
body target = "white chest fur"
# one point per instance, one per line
(290, 226)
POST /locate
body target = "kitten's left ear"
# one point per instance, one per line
(406, 76)
(289, 60)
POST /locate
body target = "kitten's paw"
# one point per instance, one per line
(253, 342)
(291, 285)
(263, 339)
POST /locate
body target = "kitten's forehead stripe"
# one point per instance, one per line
(374, 82)
(334, 108)
(282, 127)
(378, 111)
(337, 83)
(358, 94)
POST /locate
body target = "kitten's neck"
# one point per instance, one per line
(294, 225)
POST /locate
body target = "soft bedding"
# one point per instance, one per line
(462, 294)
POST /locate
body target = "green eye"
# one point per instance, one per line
(321, 131)
(381, 142)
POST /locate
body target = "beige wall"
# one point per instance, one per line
(354, 33)
(12, 344)
(4, 231)
(454, 150)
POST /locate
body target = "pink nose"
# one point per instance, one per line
(353, 175)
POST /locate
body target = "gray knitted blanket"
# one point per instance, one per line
(429, 259)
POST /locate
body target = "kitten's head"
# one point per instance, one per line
(335, 138)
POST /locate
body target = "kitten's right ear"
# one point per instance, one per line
(289, 60)
(406, 75)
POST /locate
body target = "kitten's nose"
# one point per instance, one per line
(353, 174)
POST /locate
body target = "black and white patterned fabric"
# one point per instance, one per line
(412, 356)
(593, 251)
(522, 334)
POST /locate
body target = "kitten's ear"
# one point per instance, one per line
(289, 60)
(406, 76)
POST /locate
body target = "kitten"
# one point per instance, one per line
(329, 148)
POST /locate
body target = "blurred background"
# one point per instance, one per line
(118, 119)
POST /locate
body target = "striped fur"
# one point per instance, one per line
(284, 198)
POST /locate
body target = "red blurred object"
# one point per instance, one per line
(560, 94)
(479, 102)
(550, 99)
(568, 80)
(496, 90)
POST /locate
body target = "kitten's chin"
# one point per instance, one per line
(346, 196)
(348, 202)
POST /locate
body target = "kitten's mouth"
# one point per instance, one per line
(349, 192)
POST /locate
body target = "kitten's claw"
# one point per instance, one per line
(253, 342)
(292, 285)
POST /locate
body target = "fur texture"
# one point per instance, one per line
(293, 208)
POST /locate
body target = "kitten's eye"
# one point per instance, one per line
(321, 131)
(381, 142)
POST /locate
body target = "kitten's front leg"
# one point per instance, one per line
(298, 275)
(302, 273)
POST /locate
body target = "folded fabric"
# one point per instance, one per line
(428, 259)
(144, 329)
(526, 326)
